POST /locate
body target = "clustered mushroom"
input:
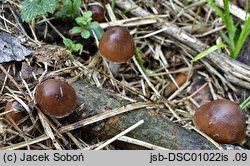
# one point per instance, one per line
(18, 111)
(98, 13)
(55, 98)
(222, 120)
(117, 45)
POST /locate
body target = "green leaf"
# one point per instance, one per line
(77, 47)
(225, 39)
(98, 32)
(245, 103)
(87, 15)
(75, 8)
(208, 51)
(67, 3)
(139, 58)
(93, 25)
(237, 32)
(71, 46)
(216, 8)
(62, 13)
(85, 34)
(76, 5)
(129, 10)
(229, 23)
(33, 8)
(70, 8)
(81, 21)
(68, 42)
(242, 38)
(113, 4)
(75, 30)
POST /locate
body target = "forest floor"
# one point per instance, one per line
(160, 77)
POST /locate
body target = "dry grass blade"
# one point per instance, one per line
(145, 77)
(119, 135)
(140, 143)
(12, 79)
(48, 130)
(135, 21)
(23, 144)
(236, 11)
(207, 137)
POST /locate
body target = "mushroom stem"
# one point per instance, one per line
(114, 67)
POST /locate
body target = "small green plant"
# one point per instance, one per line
(33, 8)
(70, 8)
(71, 46)
(234, 38)
(86, 27)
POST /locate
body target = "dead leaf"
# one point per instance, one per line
(11, 48)
(113, 120)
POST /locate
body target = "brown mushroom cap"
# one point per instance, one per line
(16, 115)
(117, 45)
(98, 13)
(55, 98)
(222, 120)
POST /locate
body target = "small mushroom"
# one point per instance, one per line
(55, 98)
(18, 110)
(222, 120)
(117, 45)
(98, 13)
